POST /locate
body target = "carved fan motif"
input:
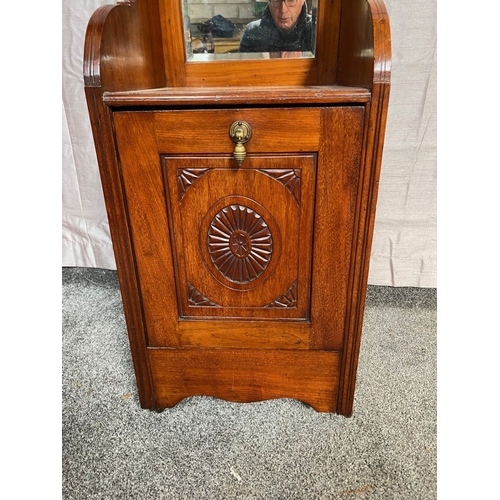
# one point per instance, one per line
(195, 298)
(290, 178)
(288, 299)
(186, 178)
(240, 244)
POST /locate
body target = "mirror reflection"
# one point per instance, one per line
(249, 29)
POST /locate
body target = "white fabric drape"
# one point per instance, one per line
(404, 244)
(85, 237)
(404, 250)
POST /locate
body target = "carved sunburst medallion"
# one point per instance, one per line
(240, 243)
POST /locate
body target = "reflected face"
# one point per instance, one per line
(285, 13)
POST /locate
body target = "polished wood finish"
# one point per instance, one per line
(123, 47)
(326, 208)
(246, 375)
(291, 325)
(229, 96)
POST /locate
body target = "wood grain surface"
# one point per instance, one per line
(291, 326)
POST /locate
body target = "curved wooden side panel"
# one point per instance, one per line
(364, 52)
(120, 53)
(123, 49)
(381, 42)
(92, 47)
(378, 67)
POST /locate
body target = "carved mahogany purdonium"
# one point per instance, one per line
(241, 200)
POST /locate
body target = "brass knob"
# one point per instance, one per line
(240, 132)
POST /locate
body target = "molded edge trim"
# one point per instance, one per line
(92, 46)
(382, 52)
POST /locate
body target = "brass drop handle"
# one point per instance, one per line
(240, 132)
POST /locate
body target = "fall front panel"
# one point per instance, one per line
(292, 202)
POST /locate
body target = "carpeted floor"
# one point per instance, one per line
(206, 448)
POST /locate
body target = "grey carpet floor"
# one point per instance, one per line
(205, 448)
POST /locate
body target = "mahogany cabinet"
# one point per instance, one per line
(241, 195)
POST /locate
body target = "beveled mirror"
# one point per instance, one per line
(222, 30)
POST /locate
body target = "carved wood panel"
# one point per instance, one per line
(240, 243)
(175, 197)
(243, 236)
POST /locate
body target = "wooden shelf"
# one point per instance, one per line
(184, 96)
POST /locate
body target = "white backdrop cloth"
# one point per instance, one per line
(405, 238)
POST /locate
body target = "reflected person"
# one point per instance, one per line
(285, 26)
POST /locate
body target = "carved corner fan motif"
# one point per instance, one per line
(288, 299)
(290, 178)
(240, 243)
(195, 298)
(186, 177)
